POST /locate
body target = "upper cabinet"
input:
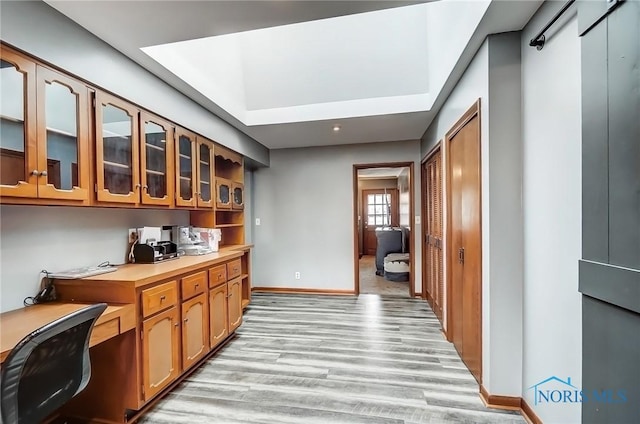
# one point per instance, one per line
(206, 173)
(186, 147)
(44, 132)
(117, 160)
(157, 164)
(134, 154)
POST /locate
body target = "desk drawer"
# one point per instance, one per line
(217, 275)
(104, 331)
(159, 298)
(194, 284)
(234, 269)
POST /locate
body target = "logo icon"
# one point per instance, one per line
(556, 390)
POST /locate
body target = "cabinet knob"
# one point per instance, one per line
(196, 286)
(43, 174)
(162, 298)
(176, 324)
(35, 172)
(145, 187)
(137, 186)
(186, 319)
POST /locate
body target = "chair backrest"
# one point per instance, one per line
(48, 367)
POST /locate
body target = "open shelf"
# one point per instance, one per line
(245, 303)
(228, 225)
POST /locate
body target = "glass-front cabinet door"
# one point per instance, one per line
(19, 171)
(185, 168)
(223, 193)
(237, 196)
(63, 137)
(157, 166)
(205, 173)
(117, 165)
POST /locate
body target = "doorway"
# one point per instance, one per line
(383, 201)
(464, 245)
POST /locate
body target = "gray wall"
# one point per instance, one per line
(40, 30)
(552, 204)
(305, 203)
(494, 77)
(34, 238)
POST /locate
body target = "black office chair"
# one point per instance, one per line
(48, 367)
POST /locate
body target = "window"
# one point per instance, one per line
(379, 209)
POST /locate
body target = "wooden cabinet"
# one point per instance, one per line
(157, 163)
(223, 193)
(206, 176)
(117, 157)
(237, 195)
(44, 132)
(234, 299)
(134, 154)
(218, 315)
(195, 330)
(160, 351)
(184, 308)
(195, 317)
(185, 168)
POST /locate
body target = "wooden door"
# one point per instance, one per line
(63, 136)
(234, 304)
(160, 351)
(433, 278)
(379, 209)
(186, 181)
(218, 315)
(195, 330)
(464, 247)
(157, 163)
(18, 157)
(117, 156)
(206, 175)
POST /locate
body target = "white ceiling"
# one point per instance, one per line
(286, 72)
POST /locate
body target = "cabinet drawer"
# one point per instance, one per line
(159, 298)
(194, 284)
(217, 275)
(104, 331)
(234, 269)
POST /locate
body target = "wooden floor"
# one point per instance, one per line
(325, 359)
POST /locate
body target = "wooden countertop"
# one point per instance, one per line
(142, 274)
(15, 325)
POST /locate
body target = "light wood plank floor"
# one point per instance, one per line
(332, 359)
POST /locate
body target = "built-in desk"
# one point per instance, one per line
(184, 309)
(15, 325)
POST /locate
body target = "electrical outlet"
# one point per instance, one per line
(133, 235)
(257, 221)
(297, 275)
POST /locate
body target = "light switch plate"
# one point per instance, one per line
(417, 219)
(257, 221)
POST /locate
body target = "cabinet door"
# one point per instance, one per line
(237, 196)
(205, 173)
(185, 168)
(195, 330)
(18, 156)
(117, 166)
(63, 137)
(160, 351)
(157, 166)
(218, 314)
(223, 193)
(234, 304)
